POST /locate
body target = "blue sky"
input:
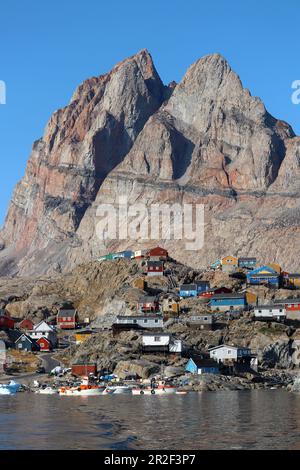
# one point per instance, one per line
(48, 48)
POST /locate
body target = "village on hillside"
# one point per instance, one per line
(169, 331)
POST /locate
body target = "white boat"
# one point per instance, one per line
(9, 389)
(47, 391)
(161, 389)
(85, 389)
(119, 389)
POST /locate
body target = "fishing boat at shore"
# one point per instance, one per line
(118, 390)
(84, 389)
(10, 389)
(47, 391)
(161, 388)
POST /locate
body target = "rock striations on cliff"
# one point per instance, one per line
(205, 140)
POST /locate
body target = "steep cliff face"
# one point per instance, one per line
(205, 140)
(82, 144)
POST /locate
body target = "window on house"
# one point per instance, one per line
(156, 321)
(156, 338)
(145, 321)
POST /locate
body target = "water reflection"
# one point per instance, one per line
(215, 420)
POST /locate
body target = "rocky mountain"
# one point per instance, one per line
(205, 141)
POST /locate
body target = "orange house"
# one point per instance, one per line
(228, 263)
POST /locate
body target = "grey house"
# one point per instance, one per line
(25, 343)
(138, 321)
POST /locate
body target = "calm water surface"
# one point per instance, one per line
(213, 420)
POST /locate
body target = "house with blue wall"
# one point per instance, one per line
(264, 275)
(192, 290)
(188, 290)
(247, 263)
(226, 302)
(202, 365)
(123, 254)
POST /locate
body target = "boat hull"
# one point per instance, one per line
(81, 393)
(155, 391)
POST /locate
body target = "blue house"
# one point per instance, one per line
(248, 263)
(188, 290)
(123, 254)
(202, 286)
(216, 264)
(226, 302)
(192, 290)
(202, 365)
(264, 275)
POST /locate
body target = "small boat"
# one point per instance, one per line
(84, 389)
(181, 392)
(155, 389)
(119, 389)
(47, 391)
(9, 389)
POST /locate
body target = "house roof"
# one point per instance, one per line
(228, 296)
(46, 327)
(44, 339)
(26, 336)
(227, 346)
(263, 275)
(229, 257)
(265, 267)
(268, 306)
(84, 332)
(141, 317)
(275, 266)
(247, 259)
(157, 248)
(201, 361)
(66, 313)
(157, 334)
(188, 287)
(287, 301)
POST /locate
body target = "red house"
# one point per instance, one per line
(44, 344)
(67, 319)
(214, 291)
(83, 370)
(6, 322)
(26, 324)
(157, 254)
(147, 304)
(155, 268)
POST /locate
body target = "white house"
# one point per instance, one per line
(225, 353)
(162, 342)
(139, 321)
(271, 312)
(42, 329)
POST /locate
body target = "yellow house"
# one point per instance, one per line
(229, 263)
(170, 306)
(82, 336)
(292, 280)
(275, 266)
(139, 283)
